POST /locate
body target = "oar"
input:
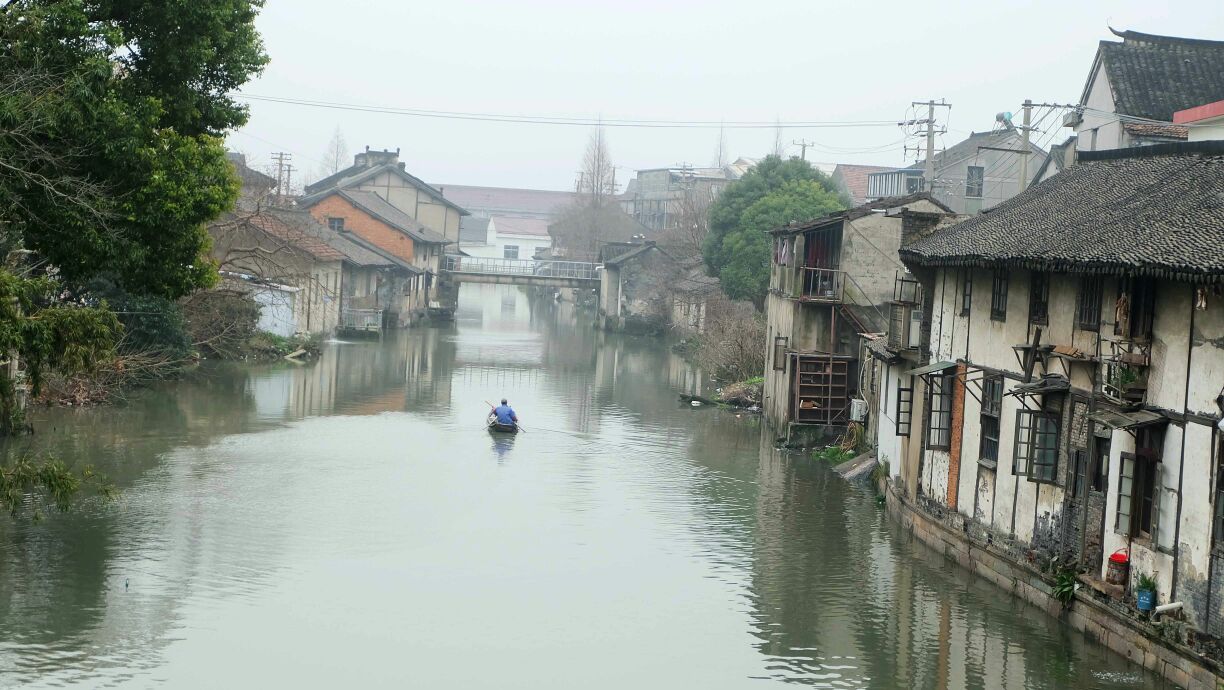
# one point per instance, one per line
(516, 424)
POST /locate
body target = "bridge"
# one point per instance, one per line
(542, 272)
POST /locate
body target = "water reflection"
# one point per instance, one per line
(350, 523)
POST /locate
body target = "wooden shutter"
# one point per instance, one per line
(905, 408)
(1022, 449)
(1126, 495)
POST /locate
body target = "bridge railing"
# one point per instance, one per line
(543, 268)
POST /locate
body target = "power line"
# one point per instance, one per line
(561, 120)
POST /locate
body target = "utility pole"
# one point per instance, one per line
(281, 159)
(803, 146)
(928, 170)
(1024, 132)
(288, 180)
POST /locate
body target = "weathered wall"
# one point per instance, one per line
(1109, 133)
(364, 226)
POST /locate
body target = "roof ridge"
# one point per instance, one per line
(1140, 37)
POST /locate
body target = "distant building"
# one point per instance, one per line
(508, 202)
(654, 197)
(1135, 86)
(1204, 122)
(980, 172)
(504, 237)
(851, 180)
(383, 205)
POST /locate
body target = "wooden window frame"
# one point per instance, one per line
(1217, 532)
(1028, 443)
(1088, 304)
(992, 413)
(998, 296)
(335, 224)
(1039, 298)
(966, 292)
(905, 407)
(939, 434)
(1139, 490)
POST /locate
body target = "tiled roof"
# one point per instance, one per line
(383, 210)
(356, 174)
(853, 179)
(860, 211)
(1152, 210)
(502, 200)
(1153, 129)
(1155, 76)
(520, 226)
(274, 226)
(354, 253)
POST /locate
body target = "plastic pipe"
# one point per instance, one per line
(1165, 608)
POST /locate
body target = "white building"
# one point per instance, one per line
(503, 237)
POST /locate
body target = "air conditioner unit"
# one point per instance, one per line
(858, 410)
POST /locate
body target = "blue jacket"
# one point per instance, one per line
(505, 414)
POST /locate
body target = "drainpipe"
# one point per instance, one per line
(1181, 466)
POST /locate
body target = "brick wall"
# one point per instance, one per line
(364, 226)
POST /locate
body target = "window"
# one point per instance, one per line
(1134, 309)
(913, 184)
(779, 352)
(992, 406)
(966, 291)
(1036, 448)
(1088, 310)
(905, 407)
(975, 180)
(510, 251)
(940, 398)
(1139, 486)
(1100, 474)
(1039, 298)
(336, 224)
(998, 297)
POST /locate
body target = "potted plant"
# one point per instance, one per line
(1145, 593)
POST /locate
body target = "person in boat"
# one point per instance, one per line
(505, 414)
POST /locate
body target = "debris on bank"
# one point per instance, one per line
(745, 395)
(857, 468)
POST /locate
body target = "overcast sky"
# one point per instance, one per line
(707, 60)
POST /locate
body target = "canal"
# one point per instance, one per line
(349, 523)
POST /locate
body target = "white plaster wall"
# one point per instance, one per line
(1110, 134)
(1170, 349)
(1208, 357)
(888, 445)
(1194, 540)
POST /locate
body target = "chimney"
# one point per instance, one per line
(373, 159)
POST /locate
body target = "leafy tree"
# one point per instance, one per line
(772, 194)
(111, 112)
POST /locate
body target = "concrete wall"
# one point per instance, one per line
(1002, 177)
(420, 205)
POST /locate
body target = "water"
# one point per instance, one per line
(350, 524)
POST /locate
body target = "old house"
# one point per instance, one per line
(634, 292)
(656, 197)
(975, 174)
(378, 200)
(367, 218)
(1068, 402)
(1137, 84)
(851, 180)
(831, 279)
(504, 237)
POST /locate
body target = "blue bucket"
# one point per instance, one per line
(1145, 599)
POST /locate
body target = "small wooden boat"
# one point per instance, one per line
(501, 428)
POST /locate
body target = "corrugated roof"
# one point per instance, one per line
(537, 227)
(1152, 210)
(860, 211)
(501, 200)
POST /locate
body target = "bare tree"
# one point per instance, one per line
(720, 155)
(597, 179)
(34, 166)
(337, 155)
(733, 345)
(692, 222)
(779, 148)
